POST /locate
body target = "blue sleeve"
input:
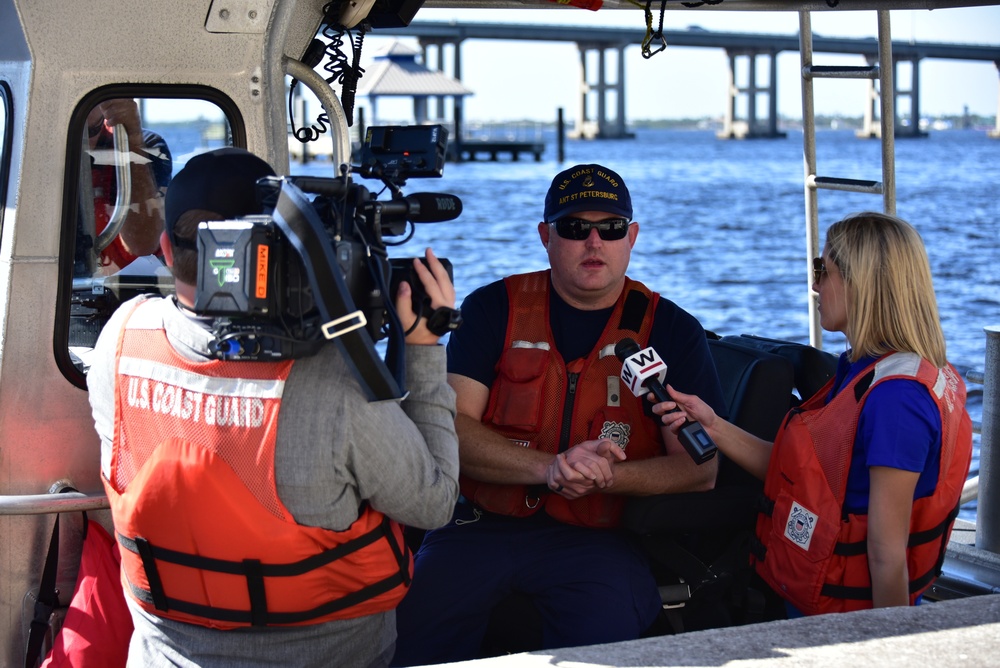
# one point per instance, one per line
(900, 428)
(680, 340)
(901, 425)
(475, 348)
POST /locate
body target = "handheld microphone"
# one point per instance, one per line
(422, 207)
(644, 371)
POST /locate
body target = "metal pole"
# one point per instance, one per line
(43, 504)
(772, 101)
(621, 92)
(303, 122)
(996, 129)
(581, 110)
(560, 136)
(340, 132)
(602, 94)
(887, 111)
(988, 508)
(809, 164)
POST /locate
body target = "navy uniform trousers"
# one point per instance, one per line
(590, 586)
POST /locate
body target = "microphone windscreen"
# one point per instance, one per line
(626, 348)
(434, 207)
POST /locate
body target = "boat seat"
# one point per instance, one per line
(812, 367)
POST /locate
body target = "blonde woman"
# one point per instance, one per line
(863, 480)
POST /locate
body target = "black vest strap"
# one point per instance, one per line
(145, 552)
(46, 603)
(757, 548)
(863, 385)
(48, 594)
(402, 551)
(916, 583)
(255, 589)
(254, 571)
(633, 311)
(239, 567)
(765, 505)
(275, 618)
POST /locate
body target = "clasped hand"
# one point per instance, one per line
(585, 468)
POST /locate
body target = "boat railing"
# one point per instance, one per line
(123, 197)
(511, 131)
(970, 491)
(988, 506)
(62, 498)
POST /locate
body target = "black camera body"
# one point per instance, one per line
(268, 279)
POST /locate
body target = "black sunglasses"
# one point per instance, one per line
(819, 269)
(577, 229)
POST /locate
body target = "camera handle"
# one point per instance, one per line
(293, 214)
(374, 169)
(440, 321)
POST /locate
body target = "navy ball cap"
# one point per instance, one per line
(587, 188)
(222, 181)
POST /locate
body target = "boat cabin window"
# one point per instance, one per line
(6, 118)
(128, 151)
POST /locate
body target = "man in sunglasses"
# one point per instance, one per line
(551, 442)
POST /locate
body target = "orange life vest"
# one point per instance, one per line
(537, 401)
(205, 538)
(810, 551)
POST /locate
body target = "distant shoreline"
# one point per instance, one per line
(958, 122)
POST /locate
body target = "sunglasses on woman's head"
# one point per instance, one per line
(577, 229)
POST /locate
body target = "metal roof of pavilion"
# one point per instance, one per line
(395, 71)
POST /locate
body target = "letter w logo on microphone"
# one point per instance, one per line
(640, 366)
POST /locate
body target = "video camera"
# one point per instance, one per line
(281, 284)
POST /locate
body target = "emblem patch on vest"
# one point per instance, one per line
(800, 526)
(617, 432)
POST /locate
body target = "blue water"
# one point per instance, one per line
(722, 224)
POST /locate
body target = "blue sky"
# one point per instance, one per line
(514, 80)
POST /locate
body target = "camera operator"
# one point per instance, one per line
(219, 470)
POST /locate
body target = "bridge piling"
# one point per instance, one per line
(751, 127)
(601, 127)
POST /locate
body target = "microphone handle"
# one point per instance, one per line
(692, 435)
(660, 392)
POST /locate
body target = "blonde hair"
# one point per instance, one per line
(890, 295)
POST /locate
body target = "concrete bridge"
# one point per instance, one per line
(760, 121)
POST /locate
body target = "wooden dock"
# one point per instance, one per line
(471, 150)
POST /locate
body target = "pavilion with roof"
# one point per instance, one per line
(395, 72)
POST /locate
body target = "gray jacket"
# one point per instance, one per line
(334, 451)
